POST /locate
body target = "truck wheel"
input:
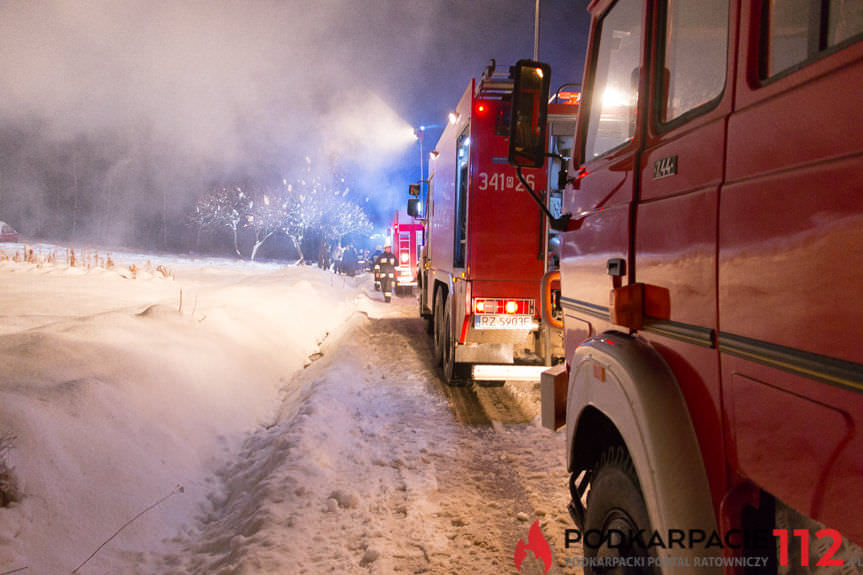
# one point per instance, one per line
(615, 502)
(437, 320)
(453, 373)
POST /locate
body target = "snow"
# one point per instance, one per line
(236, 417)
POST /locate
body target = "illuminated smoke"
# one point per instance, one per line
(115, 115)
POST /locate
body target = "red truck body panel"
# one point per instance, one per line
(789, 277)
(505, 229)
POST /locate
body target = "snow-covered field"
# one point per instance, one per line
(168, 423)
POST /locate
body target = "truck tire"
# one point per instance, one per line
(453, 373)
(428, 319)
(437, 320)
(615, 502)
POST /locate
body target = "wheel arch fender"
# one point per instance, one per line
(621, 389)
(441, 282)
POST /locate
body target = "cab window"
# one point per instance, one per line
(614, 95)
(461, 183)
(799, 30)
(844, 20)
(694, 56)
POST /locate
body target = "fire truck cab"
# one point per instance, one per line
(711, 280)
(485, 245)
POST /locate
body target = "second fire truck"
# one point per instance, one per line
(486, 245)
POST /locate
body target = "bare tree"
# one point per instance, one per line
(341, 218)
(297, 209)
(306, 198)
(327, 211)
(269, 213)
(225, 207)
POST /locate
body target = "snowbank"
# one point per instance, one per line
(116, 392)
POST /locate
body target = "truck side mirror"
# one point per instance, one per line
(414, 189)
(414, 208)
(527, 136)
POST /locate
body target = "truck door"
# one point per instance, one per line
(461, 205)
(681, 171)
(605, 182)
(405, 248)
(790, 259)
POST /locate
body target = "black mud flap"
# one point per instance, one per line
(576, 491)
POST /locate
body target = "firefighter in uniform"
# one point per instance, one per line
(385, 269)
(373, 265)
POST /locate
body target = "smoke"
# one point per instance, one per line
(116, 114)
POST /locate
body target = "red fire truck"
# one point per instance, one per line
(485, 244)
(711, 272)
(407, 238)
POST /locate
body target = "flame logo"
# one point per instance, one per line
(537, 543)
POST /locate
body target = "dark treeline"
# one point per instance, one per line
(95, 189)
(100, 189)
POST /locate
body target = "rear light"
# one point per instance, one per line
(503, 306)
(405, 258)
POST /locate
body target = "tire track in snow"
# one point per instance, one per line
(369, 471)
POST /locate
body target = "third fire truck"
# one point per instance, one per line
(407, 243)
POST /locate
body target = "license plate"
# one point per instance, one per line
(502, 322)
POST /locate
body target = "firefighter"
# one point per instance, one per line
(337, 259)
(349, 261)
(385, 268)
(374, 267)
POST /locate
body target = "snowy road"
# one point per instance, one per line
(380, 468)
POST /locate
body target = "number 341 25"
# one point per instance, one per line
(499, 182)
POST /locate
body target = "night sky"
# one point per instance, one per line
(116, 114)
